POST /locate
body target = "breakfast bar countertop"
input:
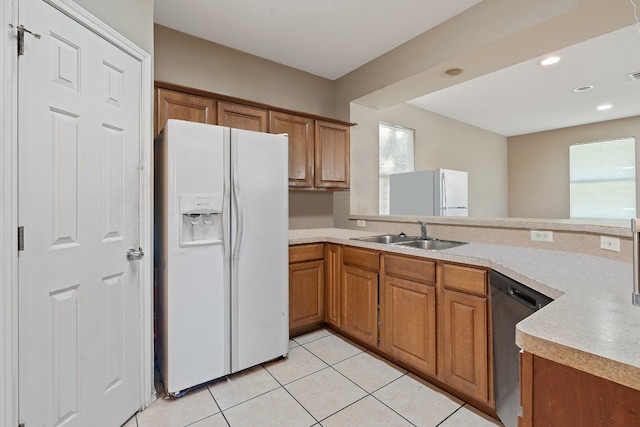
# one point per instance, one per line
(591, 325)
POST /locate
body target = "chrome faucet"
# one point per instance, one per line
(423, 229)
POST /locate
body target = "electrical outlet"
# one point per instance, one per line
(361, 223)
(541, 236)
(610, 243)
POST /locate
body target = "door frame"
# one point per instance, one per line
(9, 207)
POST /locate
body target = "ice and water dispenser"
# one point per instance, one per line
(201, 219)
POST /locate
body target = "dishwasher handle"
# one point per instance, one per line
(525, 299)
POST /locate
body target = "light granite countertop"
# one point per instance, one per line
(591, 325)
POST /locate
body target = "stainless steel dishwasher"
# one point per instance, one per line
(511, 302)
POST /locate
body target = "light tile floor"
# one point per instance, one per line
(325, 381)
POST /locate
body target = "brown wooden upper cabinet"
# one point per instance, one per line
(331, 155)
(171, 104)
(301, 133)
(240, 116)
(318, 146)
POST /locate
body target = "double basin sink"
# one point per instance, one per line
(427, 243)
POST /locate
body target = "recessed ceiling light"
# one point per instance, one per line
(603, 107)
(550, 60)
(583, 88)
(452, 72)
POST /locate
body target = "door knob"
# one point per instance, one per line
(134, 254)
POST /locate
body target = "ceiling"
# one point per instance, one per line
(330, 38)
(528, 97)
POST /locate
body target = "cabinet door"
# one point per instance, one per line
(331, 155)
(465, 345)
(306, 294)
(242, 116)
(359, 304)
(177, 105)
(332, 284)
(301, 133)
(559, 395)
(410, 322)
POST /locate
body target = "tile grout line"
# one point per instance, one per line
(218, 406)
(317, 421)
(332, 366)
(450, 415)
(292, 396)
(390, 408)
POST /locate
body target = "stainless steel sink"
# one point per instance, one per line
(384, 238)
(430, 244)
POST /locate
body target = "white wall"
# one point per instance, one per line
(440, 142)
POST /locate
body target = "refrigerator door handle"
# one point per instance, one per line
(444, 193)
(236, 201)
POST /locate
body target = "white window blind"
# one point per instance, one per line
(603, 179)
(396, 156)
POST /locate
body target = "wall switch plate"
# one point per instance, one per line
(610, 243)
(541, 236)
(361, 223)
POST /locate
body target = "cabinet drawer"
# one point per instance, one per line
(466, 279)
(417, 270)
(361, 258)
(306, 252)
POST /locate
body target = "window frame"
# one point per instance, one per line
(384, 172)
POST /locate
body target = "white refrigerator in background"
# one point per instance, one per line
(221, 251)
(440, 192)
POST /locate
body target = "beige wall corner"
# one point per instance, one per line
(198, 63)
(132, 19)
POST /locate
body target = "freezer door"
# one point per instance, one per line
(191, 271)
(260, 248)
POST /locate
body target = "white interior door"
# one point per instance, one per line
(79, 295)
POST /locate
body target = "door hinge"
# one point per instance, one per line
(21, 31)
(21, 239)
(21, 425)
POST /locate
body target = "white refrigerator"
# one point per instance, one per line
(221, 251)
(440, 192)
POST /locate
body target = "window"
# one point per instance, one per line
(603, 179)
(396, 156)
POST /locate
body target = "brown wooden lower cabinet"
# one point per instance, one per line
(410, 322)
(554, 394)
(306, 287)
(359, 304)
(465, 331)
(465, 346)
(409, 319)
(427, 315)
(359, 294)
